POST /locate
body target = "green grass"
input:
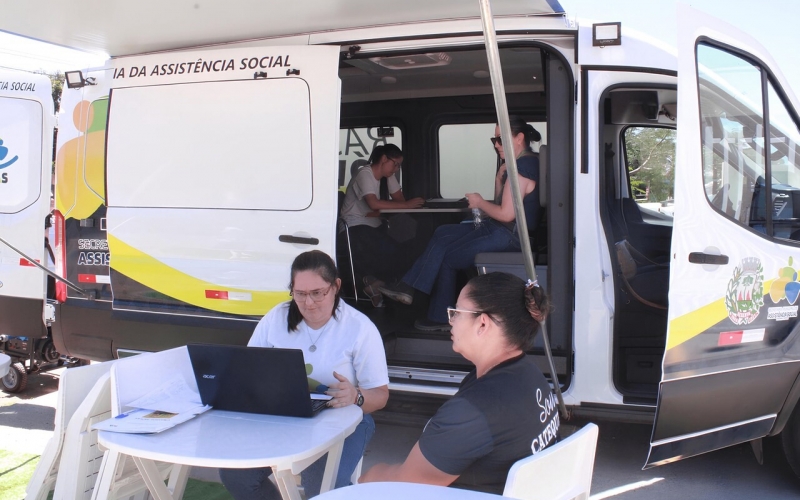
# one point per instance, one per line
(16, 469)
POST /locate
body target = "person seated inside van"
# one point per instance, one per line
(375, 254)
(504, 407)
(454, 246)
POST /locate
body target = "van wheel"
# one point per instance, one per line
(790, 441)
(16, 379)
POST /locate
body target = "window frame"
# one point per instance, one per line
(767, 78)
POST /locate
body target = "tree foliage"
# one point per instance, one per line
(57, 83)
(651, 162)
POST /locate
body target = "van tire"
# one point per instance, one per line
(16, 380)
(790, 441)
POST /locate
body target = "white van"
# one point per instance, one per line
(26, 155)
(196, 164)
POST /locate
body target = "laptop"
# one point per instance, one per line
(446, 203)
(263, 380)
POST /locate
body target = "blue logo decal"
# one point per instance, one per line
(3, 154)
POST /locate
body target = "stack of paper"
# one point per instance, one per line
(170, 404)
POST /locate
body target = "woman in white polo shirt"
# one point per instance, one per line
(344, 358)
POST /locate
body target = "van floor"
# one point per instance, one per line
(407, 346)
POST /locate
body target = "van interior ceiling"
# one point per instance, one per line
(428, 98)
(638, 141)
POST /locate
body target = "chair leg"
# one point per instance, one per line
(352, 268)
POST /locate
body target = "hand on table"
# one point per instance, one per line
(415, 202)
(343, 393)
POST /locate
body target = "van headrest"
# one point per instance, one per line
(542, 187)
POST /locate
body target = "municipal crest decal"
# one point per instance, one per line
(745, 295)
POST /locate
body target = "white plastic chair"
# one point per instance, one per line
(73, 387)
(560, 472)
(81, 458)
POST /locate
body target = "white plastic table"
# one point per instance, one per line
(404, 491)
(233, 440)
(5, 365)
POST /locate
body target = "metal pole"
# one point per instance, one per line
(49, 272)
(498, 89)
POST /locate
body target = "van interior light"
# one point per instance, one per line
(413, 61)
(75, 80)
(606, 34)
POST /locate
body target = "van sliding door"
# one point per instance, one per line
(732, 344)
(217, 180)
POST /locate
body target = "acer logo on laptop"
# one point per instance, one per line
(209, 376)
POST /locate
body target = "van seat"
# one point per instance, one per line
(508, 262)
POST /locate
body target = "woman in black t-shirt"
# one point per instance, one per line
(504, 409)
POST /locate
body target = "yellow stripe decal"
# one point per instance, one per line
(162, 278)
(698, 321)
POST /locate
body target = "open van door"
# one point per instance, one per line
(26, 149)
(221, 167)
(732, 345)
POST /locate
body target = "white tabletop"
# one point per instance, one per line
(404, 491)
(5, 364)
(239, 440)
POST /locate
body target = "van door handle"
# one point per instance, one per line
(288, 238)
(707, 258)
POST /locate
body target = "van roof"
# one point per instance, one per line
(122, 27)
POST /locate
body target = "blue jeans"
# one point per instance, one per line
(454, 247)
(254, 484)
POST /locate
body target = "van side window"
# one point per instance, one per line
(737, 161)
(211, 156)
(20, 153)
(467, 158)
(356, 144)
(650, 158)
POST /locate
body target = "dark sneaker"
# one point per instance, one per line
(399, 292)
(427, 325)
(371, 290)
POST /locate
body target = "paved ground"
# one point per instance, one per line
(26, 423)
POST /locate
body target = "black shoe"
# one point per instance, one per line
(371, 290)
(399, 292)
(427, 325)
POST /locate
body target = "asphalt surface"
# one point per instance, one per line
(26, 424)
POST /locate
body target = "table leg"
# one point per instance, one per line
(152, 478)
(286, 484)
(332, 467)
(177, 480)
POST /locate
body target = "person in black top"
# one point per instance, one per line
(504, 409)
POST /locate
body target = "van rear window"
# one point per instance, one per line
(229, 145)
(20, 153)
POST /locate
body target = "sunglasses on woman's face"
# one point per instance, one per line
(496, 141)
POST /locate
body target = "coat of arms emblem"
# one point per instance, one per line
(745, 295)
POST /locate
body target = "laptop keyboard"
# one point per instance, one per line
(318, 404)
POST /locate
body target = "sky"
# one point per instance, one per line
(772, 22)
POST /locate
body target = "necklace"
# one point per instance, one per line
(313, 347)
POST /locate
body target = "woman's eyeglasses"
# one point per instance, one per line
(452, 313)
(496, 141)
(396, 164)
(316, 295)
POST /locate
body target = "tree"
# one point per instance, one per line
(651, 162)
(57, 83)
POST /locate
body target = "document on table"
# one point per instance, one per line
(173, 396)
(143, 421)
(166, 406)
